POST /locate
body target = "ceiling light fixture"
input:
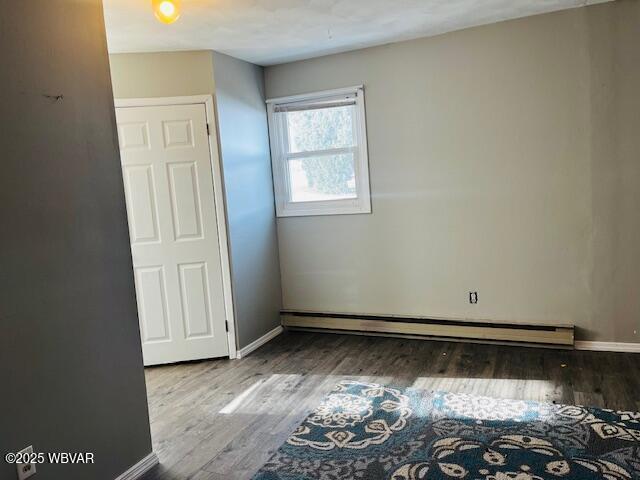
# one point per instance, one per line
(167, 11)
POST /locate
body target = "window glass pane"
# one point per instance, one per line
(320, 129)
(327, 177)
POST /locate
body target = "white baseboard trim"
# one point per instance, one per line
(140, 468)
(243, 352)
(608, 346)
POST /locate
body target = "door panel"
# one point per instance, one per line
(139, 191)
(195, 299)
(152, 300)
(178, 133)
(174, 237)
(133, 135)
(183, 183)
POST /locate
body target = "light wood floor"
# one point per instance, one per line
(222, 419)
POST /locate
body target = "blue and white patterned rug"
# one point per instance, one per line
(370, 432)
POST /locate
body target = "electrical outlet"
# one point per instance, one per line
(473, 297)
(26, 470)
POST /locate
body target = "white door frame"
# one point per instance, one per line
(216, 168)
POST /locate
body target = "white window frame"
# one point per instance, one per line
(278, 137)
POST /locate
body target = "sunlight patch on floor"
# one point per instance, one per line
(267, 394)
(511, 388)
(237, 402)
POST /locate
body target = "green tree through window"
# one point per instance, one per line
(324, 129)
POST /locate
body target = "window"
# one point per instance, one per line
(319, 149)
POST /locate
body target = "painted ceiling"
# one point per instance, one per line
(268, 32)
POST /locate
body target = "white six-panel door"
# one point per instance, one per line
(171, 208)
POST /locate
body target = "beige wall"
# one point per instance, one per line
(494, 167)
(614, 37)
(163, 74)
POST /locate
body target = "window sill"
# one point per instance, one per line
(308, 210)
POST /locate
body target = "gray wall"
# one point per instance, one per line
(503, 160)
(246, 160)
(72, 376)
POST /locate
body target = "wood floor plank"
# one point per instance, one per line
(224, 418)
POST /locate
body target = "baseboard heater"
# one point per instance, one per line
(432, 328)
